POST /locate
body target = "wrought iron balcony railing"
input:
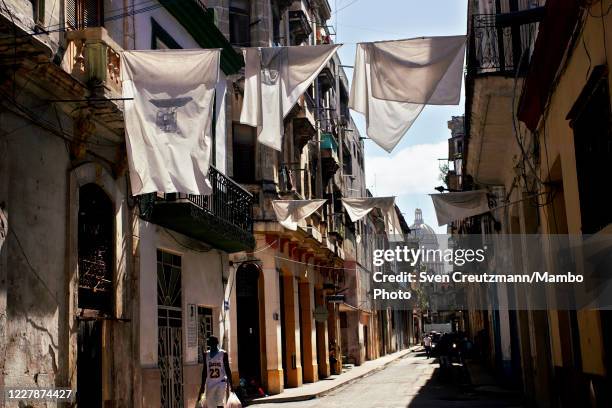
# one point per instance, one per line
(502, 43)
(222, 219)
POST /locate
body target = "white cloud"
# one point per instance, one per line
(412, 170)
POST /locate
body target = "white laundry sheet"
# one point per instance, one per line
(357, 208)
(394, 80)
(456, 206)
(168, 123)
(290, 212)
(275, 78)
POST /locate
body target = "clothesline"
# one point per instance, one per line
(170, 96)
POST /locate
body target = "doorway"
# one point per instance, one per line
(170, 326)
(366, 342)
(247, 303)
(95, 289)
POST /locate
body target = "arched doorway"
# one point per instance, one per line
(249, 341)
(95, 289)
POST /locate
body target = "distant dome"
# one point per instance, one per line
(423, 232)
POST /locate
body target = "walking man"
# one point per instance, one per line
(216, 375)
(427, 344)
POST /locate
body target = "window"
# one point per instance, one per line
(160, 39)
(38, 12)
(244, 153)
(205, 330)
(81, 14)
(347, 161)
(590, 119)
(95, 249)
(240, 22)
(169, 307)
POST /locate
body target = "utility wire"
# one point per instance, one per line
(32, 269)
(345, 7)
(61, 27)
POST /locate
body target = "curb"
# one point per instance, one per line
(306, 397)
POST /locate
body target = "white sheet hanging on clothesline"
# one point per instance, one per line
(456, 206)
(394, 80)
(290, 212)
(357, 208)
(168, 122)
(275, 78)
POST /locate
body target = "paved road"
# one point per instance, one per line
(412, 381)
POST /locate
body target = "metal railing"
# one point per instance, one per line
(228, 201)
(502, 43)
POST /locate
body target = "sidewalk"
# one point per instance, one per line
(483, 381)
(326, 385)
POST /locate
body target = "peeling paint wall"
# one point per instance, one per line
(39, 183)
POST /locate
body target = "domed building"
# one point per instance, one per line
(427, 239)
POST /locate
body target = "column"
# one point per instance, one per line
(310, 370)
(335, 341)
(292, 332)
(274, 367)
(322, 340)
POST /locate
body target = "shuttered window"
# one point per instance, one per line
(81, 14)
(244, 153)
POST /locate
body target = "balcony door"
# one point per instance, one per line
(170, 325)
(81, 14)
(247, 299)
(95, 290)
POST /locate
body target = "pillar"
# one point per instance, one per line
(333, 328)
(274, 368)
(310, 370)
(292, 355)
(322, 340)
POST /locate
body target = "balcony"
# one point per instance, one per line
(455, 148)
(93, 59)
(304, 122)
(453, 181)
(299, 27)
(326, 79)
(329, 156)
(223, 219)
(500, 47)
(500, 43)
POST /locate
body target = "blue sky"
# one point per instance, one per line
(411, 171)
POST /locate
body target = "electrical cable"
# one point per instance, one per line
(345, 7)
(184, 245)
(258, 250)
(36, 274)
(10, 13)
(24, 111)
(314, 266)
(61, 27)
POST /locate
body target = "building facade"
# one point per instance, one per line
(537, 120)
(113, 295)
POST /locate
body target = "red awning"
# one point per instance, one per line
(554, 34)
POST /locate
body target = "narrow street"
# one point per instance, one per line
(411, 381)
(292, 200)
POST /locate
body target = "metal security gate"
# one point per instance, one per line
(170, 323)
(171, 366)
